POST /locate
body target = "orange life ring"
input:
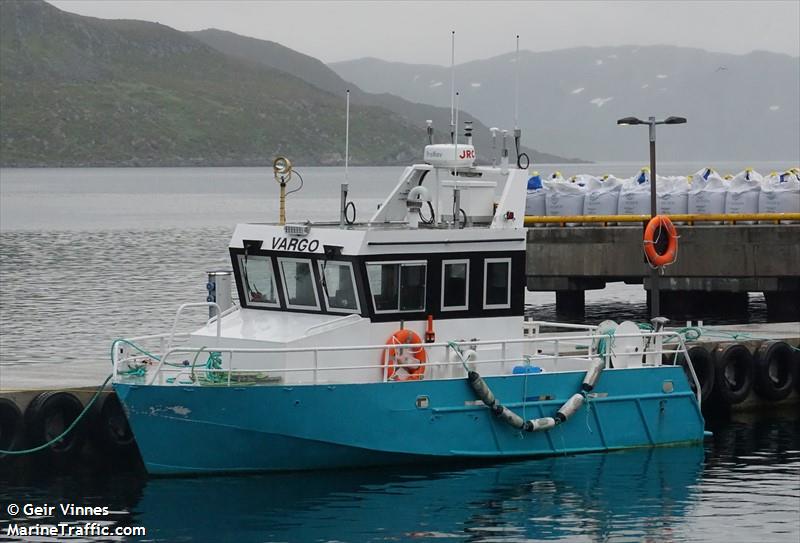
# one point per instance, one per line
(394, 358)
(657, 226)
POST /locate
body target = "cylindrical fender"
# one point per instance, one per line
(570, 407)
(48, 415)
(774, 375)
(111, 431)
(733, 369)
(11, 435)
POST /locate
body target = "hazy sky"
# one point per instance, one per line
(418, 32)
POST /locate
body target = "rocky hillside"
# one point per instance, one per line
(77, 90)
(312, 70)
(739, 107)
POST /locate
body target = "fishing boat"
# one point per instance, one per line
(398, 339)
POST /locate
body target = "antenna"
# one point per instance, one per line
(452, 85)
(455, 134)
(516, 88)
(347, 135)
(345, 187)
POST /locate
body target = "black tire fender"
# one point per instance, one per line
(11, 435)
(48, 415)
(111, 430)
(734, 372)
(703, 365)
(774, 372)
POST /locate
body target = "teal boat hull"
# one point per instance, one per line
(218, 429)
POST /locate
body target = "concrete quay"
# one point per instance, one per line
(717, 266)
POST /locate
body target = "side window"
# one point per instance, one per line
(455, 285)
(339, 286)
(298, 283)
(496, 283)
(258, 280)
(397, 286)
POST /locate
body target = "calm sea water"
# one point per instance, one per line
(87, 255)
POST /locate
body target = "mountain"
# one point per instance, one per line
(738, 106)
(77, 90)
(311, 70)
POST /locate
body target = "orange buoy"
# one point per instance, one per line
(411, 360)
(656, 254)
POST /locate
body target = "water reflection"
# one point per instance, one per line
(641, 493)
(744, 485)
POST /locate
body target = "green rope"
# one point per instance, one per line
(69, 428)
(692, 333)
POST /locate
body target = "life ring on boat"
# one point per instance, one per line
(111, 432)
(48, 415)
(660, 251)
(703, 365)
(10, 425)
(774, 375)
(396, 357)
(734, 372)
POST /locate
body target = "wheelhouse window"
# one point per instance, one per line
(299, 286)
(339, 287)
(397, 286)
(455, 285)
(497, 283)
(260, 288)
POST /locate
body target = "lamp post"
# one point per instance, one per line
(651, 122)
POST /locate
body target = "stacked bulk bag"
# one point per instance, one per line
(780, 193)
(602, 195)
(707, 193)
(672, 195)
(743, 193)
(563, 198)
(535, 200)
(634, 195)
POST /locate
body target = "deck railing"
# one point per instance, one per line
(556, 349)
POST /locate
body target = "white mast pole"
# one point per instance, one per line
(453, 126)
(347, 136)
(516, 88)
(345, 187)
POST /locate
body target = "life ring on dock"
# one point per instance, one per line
(111, 432)
(774, 375)
(703, 365)
(660, 251)
(734, 372)
(10, 425)
(48, 415)
(396, 357)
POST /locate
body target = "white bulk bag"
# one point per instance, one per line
(634, 195)
(535, 200)
(563, 198)
(602, 195)
(672, 194)
(707, 193)
(743, 193)
(780, 193)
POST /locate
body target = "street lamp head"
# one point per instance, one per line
(675, 120)
(629, 121)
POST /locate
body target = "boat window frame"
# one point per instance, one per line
(322, 264)
(245, 281)
(465, 307)
(284, 283)
(486, 262)
(417, 262)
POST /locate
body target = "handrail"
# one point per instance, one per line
(684, 217)
(178, 315)
(231, 309)
(336, 321)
